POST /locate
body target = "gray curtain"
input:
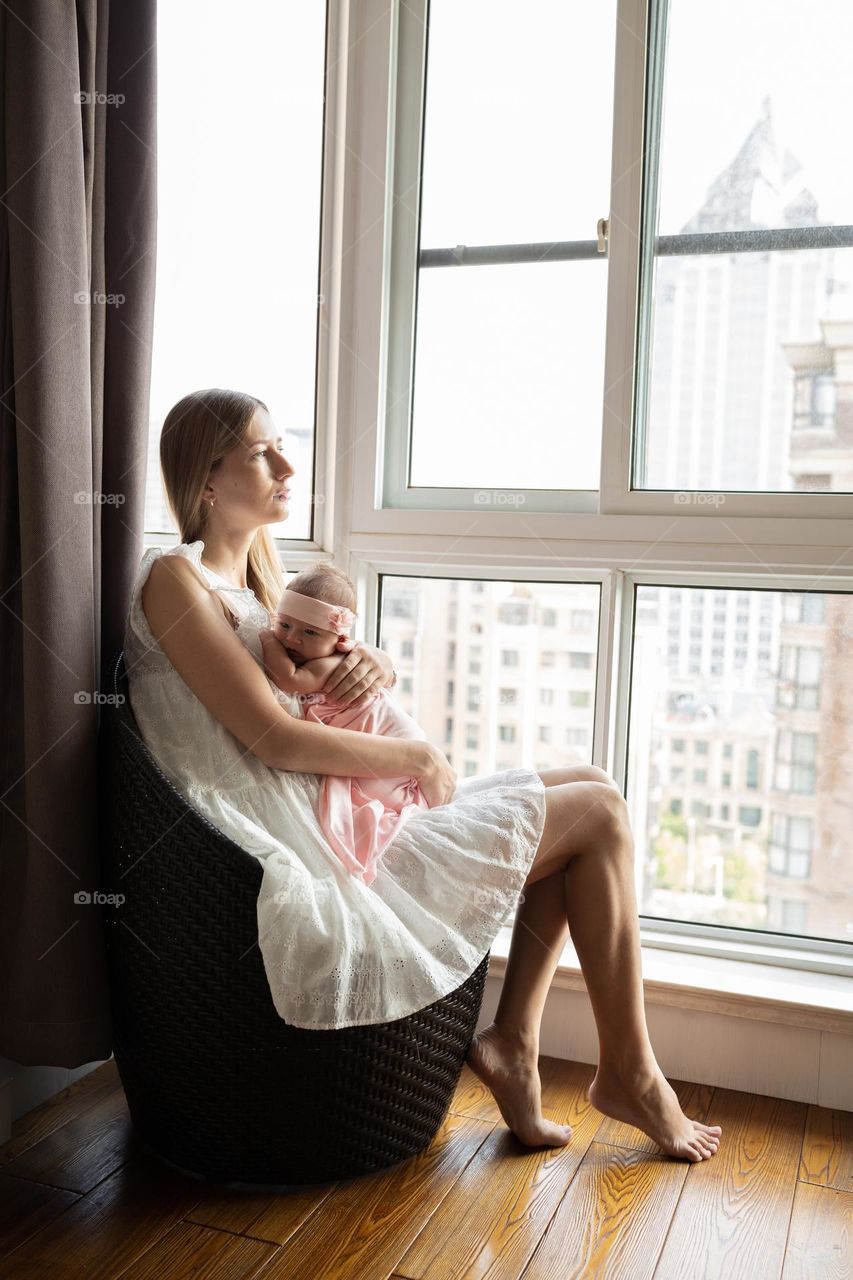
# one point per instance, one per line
(77, 261)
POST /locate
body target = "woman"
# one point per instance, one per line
(337, 952)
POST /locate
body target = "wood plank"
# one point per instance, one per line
(828, 1149)
(494, 1216)
(66, 1105)
(191, 1252)
(732, 1218)
(366, 1227)
(820, 1239)
(613, 1219)
(269, 1216)
(26, 1207)
(84, 1151)
(106, 1230)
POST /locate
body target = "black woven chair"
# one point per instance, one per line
(218, 1085)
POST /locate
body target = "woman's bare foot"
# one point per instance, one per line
(650, 1103)
(512, 1075)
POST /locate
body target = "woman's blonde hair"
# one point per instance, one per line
(197, 433)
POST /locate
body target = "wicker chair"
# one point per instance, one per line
(218, 1085)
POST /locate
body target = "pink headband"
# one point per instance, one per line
(328, 617)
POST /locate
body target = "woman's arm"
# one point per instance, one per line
(191, 629)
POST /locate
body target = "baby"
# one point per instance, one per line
(310, 634)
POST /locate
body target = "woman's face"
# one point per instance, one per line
(248, 485)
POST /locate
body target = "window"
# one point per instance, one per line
(488, 297)
(509, 657)
(796, 754)
(799, 676)
(770, 755)
(579, 698)
(497, 712)
(721, 289)
(407, 650)
(549, 617)
(790, 846)
(582, 661)
(270, 121)
(515, 613)
(547, 658)
(752, 769)
(544, 733)
(682, 436)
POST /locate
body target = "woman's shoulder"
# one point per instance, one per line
(183, 551)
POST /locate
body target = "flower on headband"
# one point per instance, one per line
(339, 617)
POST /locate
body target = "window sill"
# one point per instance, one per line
(715, 984)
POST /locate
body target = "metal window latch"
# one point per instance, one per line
(603, 230)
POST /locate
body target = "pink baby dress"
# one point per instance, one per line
(361, 816)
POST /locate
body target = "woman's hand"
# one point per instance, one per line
(436, 777)
(359, 675)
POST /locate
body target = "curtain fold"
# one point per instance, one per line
(77, 265)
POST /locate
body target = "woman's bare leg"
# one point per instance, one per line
(587, 848)
(541, 928)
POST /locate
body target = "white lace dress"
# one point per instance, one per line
(337, 952)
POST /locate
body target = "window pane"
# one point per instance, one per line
(240, 142)
(517, 129)
(775, 786)
(746, 383)
(516, 713)
(516, 150)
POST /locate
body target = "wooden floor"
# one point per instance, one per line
(80, 1199)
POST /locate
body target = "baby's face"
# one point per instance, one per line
(302, 641)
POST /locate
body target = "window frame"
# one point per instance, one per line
(631, 538)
